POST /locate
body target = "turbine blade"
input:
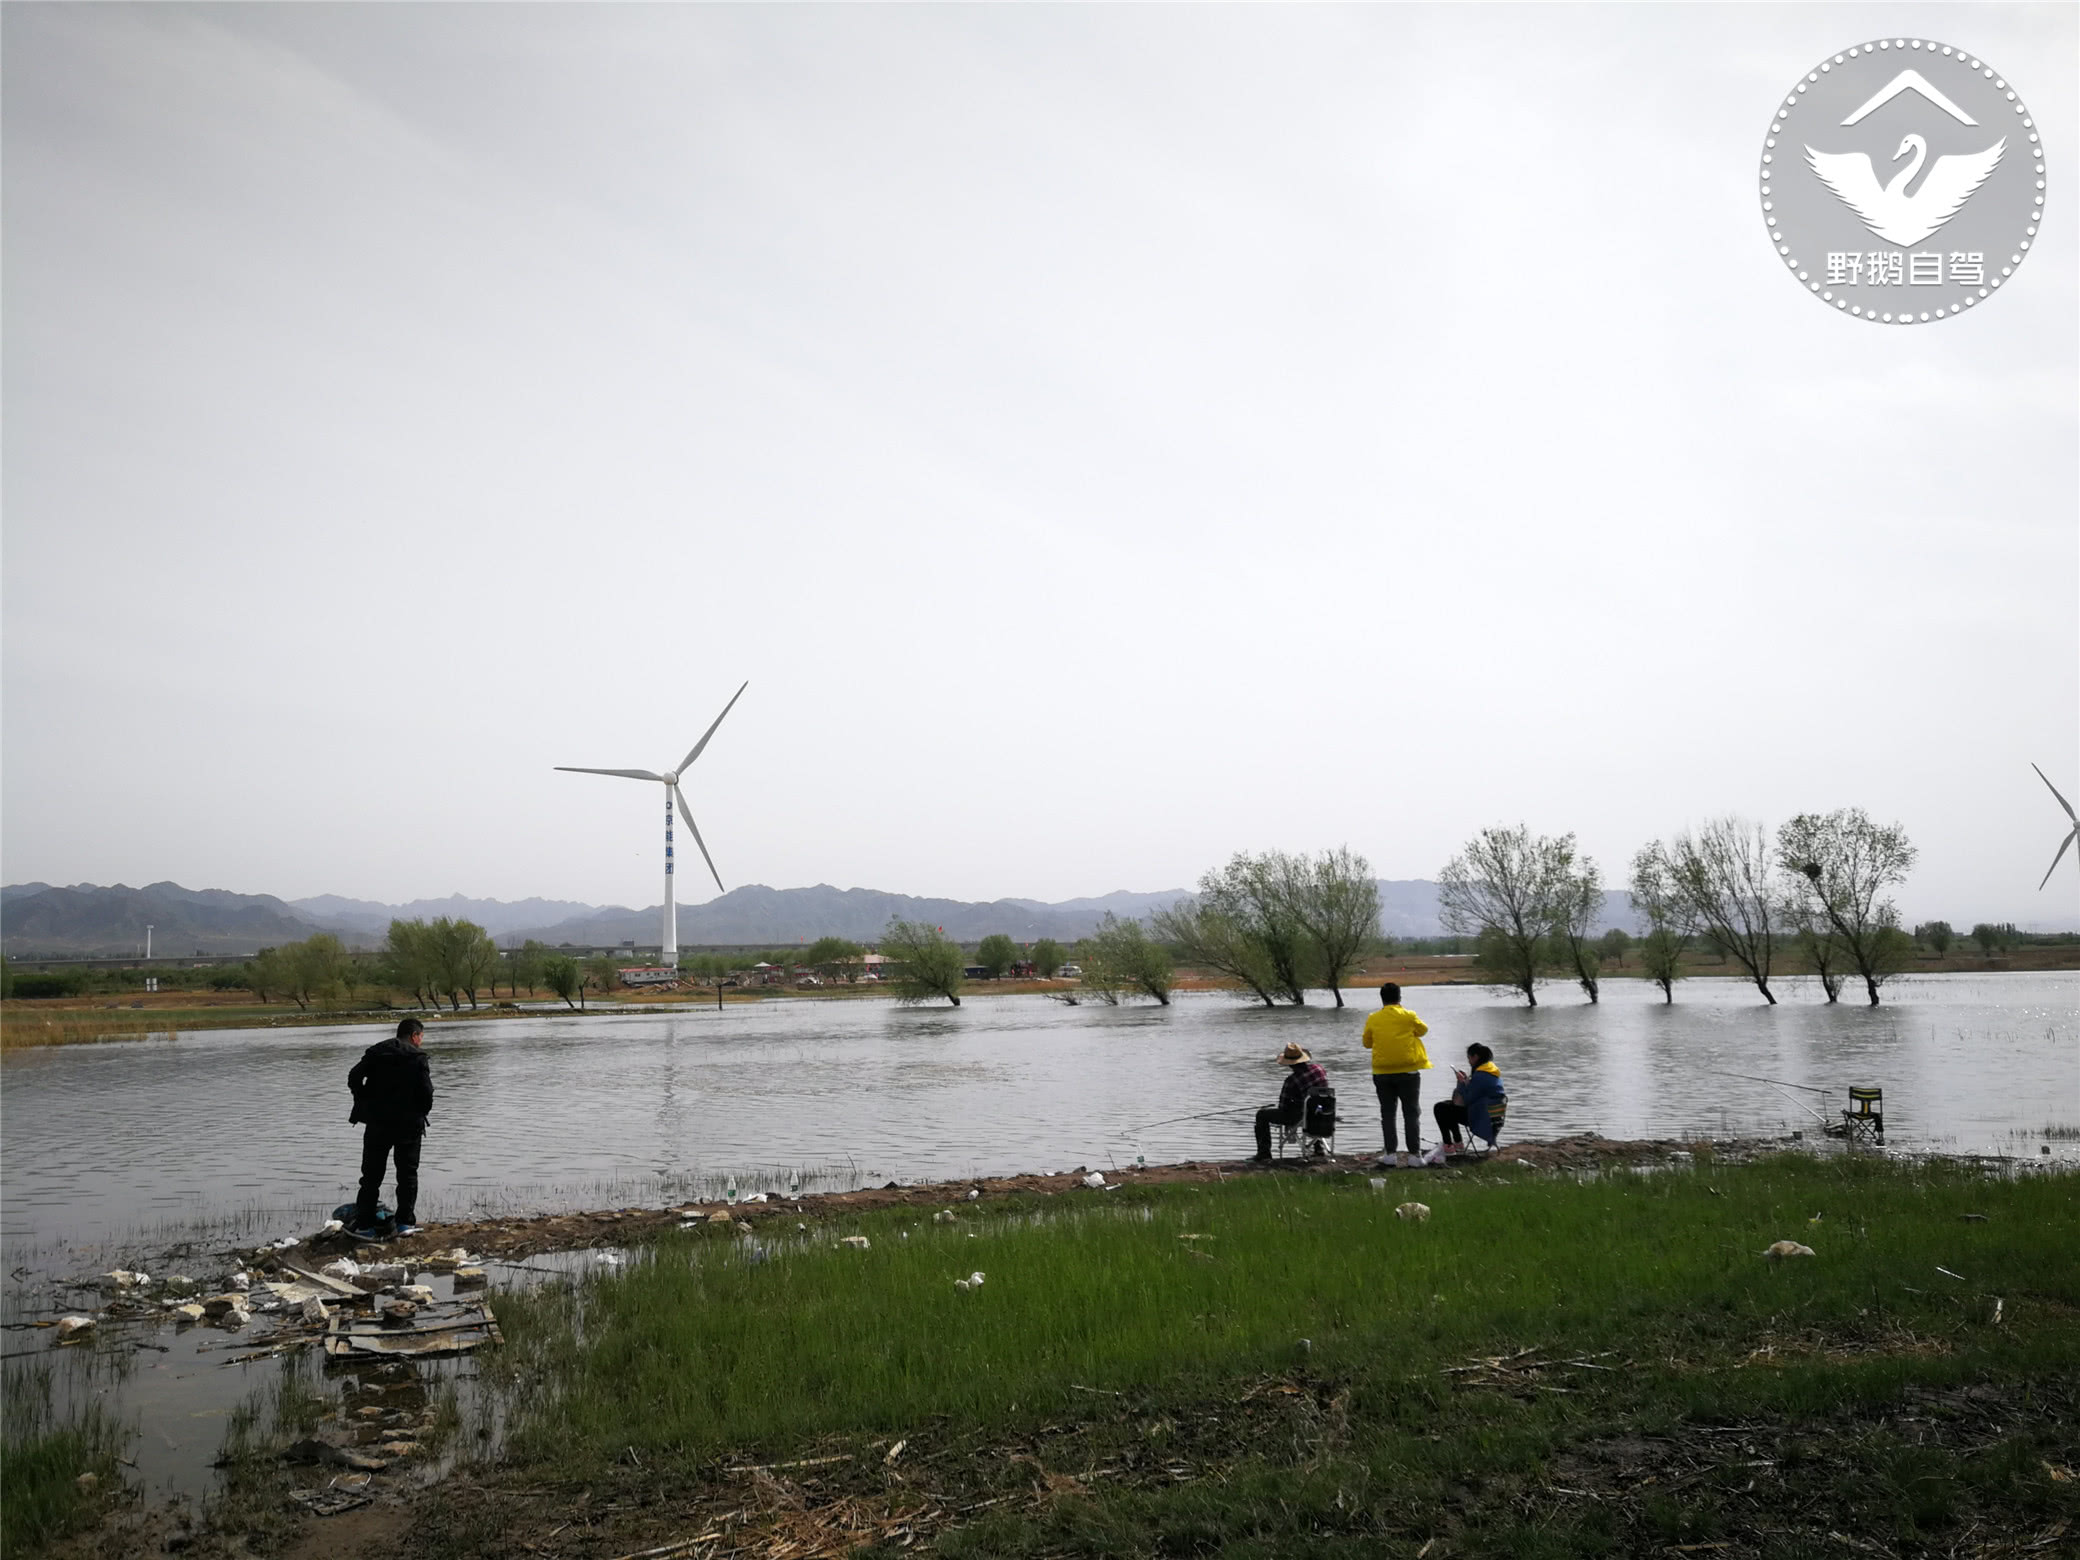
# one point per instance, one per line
(694, 829)
(626, 774)
(2055, 860)
(695, 752)
(2068, 806)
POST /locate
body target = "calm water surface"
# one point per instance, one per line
(99, 1141)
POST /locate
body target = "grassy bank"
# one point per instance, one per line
(1545, 1367)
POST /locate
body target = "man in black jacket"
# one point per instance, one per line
(393, 1092)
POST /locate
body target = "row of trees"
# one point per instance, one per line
(1532, 902)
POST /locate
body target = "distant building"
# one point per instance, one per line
(649, 975)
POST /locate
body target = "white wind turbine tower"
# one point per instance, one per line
(669, 956)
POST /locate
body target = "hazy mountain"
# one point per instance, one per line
(758, 914)
(496, 916)
(86, 919)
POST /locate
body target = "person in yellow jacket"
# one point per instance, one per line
(1394, 1036)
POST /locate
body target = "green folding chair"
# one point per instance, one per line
(1864, 1120)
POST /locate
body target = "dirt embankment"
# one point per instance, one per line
(514, 1238)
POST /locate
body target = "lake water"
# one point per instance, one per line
(98, 1142)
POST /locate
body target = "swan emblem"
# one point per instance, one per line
(1888, 210)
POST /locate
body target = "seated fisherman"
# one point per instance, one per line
(1477, 1104)
(1304, 1073)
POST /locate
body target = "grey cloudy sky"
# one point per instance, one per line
(1106, 437)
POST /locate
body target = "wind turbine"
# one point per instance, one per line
(669, 948)
(2072, 834)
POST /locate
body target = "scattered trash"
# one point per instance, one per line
(757, 1197)
(1435, 1156)
(1973, 1218)
(330, 1502)
(86, 1483)
(1306, 1346)
(331, 1227)
(314, 1311)
(217, 1305)
(71, 1329)
(963, 1285)
(977, 1192)
(235, 1318)
(447, 1261)
(187, 1315)
(240, 1281)
(975, 1279)
(1942, 1270)
(721, 1216)
(120, 1280)
(1413, 1210)
(381, 1275)
(857, 1242)
(469, 1278)
(945, 1216)
(1095, 1180)
(181, 1284)
(284, 1243)
(1378, 1183)
(397, 1313)
(606, 1259)
(418, 1294)
(1787, 1248)
(895, 1451)
(343, 1267)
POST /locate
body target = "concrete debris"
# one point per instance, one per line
(71, 1329)
(856, 1242)
(397, 1313)
(1413, 1210)
(469, 1278)
(240, 1281)
(448, 1261)
(314, 1312)
(234, 1318)
(217, 1305)
(188, 1315)
(181, 1284)
(381, 1275)
(1787, 1248)
(418, 1294)
(121, 1279)
(344, 1267)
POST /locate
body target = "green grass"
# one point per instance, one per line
(1861, 1388)
(43, 1459)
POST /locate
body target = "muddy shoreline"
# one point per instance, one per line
(507, 1239)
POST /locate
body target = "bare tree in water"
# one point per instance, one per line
(1841, 863)
(1723, 879)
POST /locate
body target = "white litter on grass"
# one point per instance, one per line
(975, 1279)
(1787, 1248)
(963, 1285)
(756, 1197)
(856, 1242)
(1435, 1156)
(1095, 1180)
(606, 1259)
(71, 1327)
(978, 1192)
(1413, 1210)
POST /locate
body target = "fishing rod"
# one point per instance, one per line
(1780, 1088)
(1204, 1115)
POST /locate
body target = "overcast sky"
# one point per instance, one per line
(1107, 438)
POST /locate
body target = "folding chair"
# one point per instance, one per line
(1315, 1131)
(1864, 1120)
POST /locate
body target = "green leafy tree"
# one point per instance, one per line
(996, 953)
(602, 973)
(1507, 889)
(266, 972)
(834, 958)
(1047, 956)
(1245, 924)
(1335, 900)
(1124, 957)
(1992, 936)
(1614, 944)
(1937, 936)
(927, 963)
(1840, 865)
(1668, 928)
(1577, 907)
(560, 973)
(1214, 937)
(528, 966)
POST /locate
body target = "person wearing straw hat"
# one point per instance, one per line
(1303, 1073)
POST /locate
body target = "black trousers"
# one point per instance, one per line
(1267, 1118)
(378, 1145)
(1451, 1120)
(1402, 1089)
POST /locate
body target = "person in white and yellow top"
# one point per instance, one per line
(1394, 1036)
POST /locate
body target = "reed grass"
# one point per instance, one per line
(45, 1453)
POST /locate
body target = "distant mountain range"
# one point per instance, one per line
(39, 920)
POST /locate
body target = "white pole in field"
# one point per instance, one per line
(147, 945)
